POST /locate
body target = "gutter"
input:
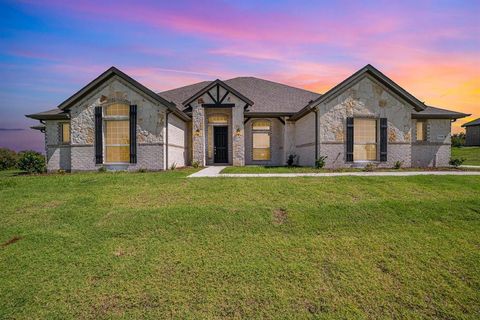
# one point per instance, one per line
(440, 116)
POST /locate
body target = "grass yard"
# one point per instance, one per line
(470, 154)
(157, 245)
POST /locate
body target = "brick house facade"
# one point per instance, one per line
(117, 123)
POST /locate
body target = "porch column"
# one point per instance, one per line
(198, 135)
(238, 136)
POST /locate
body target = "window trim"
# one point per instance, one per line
(105, 119)
(262, 131)
(377, 139)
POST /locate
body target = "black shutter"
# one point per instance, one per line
(133, 134)
(349, 155)
(383, 139)
(98, 136)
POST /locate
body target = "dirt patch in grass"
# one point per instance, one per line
(11, 241)
(280, 216)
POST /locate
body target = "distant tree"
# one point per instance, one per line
(458, 139)
(31, 161)
(8, 159)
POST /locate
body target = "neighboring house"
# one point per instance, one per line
(472, 133)
(116, 122)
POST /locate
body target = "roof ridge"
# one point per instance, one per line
(188, 85)
(275, 82)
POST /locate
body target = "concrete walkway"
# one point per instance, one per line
(214, 172)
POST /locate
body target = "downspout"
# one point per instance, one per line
(166, 138)
(316, 133)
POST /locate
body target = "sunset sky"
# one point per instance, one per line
(50, 49)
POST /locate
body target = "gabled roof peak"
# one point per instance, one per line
(375, 73)
(108, 74)
(220, 83)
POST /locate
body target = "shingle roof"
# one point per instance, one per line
(475, 122)
(54, 114)
(178, 95)
(434, 112)
(268, 96)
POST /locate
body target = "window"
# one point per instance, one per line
(117, 133)
(420, 128)
(117, 109)
(65, 132)
(218, 119)
(261, 140)
(365, 139)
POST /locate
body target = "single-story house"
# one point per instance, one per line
(117, 123)
(472, 132)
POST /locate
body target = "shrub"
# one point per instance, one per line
(173, 166)
(369, 167)
(320, 162)
(458, 139)
(398, 164)
(456, 162)
(8, 159)
(291, 159)
(142, 170)
(102, 169)
(61, 171)
(31, 161)
(195, 164)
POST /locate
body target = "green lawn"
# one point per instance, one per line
(470, 154)
(157, 245)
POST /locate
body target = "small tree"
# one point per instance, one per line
(8, 159)
(458, 139)
(31, 161)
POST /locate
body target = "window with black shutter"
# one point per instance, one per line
(133, 134)
(349, 154)
(98, 136)
(383, 138)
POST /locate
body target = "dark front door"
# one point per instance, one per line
(220, 144)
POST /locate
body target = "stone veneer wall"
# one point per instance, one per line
(365, 98)
(198, 135)
(150, 127)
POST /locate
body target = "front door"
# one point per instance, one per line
(220, 144)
